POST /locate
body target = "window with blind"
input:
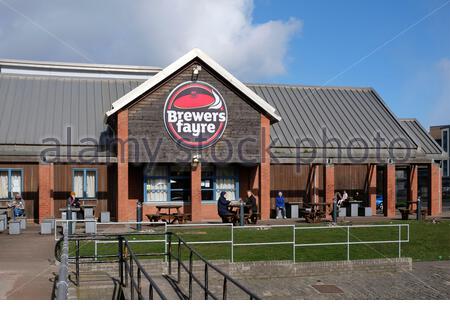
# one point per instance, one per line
(167, 183)
(11, 182)
(216, 179)
(85, 183)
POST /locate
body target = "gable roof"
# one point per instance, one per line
(426, 143)
(346, 113)
(175, 66)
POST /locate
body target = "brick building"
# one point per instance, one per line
(116, 135)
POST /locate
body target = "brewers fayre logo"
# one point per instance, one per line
(195, 115)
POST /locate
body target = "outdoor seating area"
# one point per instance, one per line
(169, 214)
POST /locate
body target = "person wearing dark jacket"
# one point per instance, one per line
(222, 207)
(250, 202)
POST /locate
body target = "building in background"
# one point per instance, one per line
(442, 136)
(181, 135)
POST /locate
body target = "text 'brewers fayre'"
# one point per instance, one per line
(195, 115)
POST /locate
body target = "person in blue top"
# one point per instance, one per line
(280, 206)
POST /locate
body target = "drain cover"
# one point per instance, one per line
(327, 288)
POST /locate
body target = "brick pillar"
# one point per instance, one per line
(389, 202)
(123, 210)
(372, 188)
(314, 184)
(328, 184)
(264, 171)
(413, 185)
(434, 190)
(46, 204)
(196, 192)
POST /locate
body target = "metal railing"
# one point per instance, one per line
(348, 243)
(62, 285)
(293, 241)
(128, 261)
(207, 266)
(131, 271)
(402, 237)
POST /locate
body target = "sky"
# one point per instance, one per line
(400, 48)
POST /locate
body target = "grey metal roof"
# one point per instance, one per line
(346, 113)
(36, 107)
(426, 143)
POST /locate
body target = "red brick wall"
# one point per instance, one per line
(372, 187)
(46, 203)
(435, 190)
(413, 185)
(389, 202)
(328, 185)
(196, 193)
(264, 172)
(125, 206)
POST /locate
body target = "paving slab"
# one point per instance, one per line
(27, 266)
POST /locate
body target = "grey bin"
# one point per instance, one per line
(46, 227)
(105, 216)
(367, 211)
(90, 226)
(4, 218)
(354, 209)
(23, 223)
(72, 225)
(14, 227)
(2, 226)
(51, 221)
(88, 213)
(294, 211)
(342, 212)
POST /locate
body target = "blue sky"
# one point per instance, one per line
(301, 42)
(407, 72)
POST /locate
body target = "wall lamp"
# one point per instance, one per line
(196, 160)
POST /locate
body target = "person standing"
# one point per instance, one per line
(280, 206)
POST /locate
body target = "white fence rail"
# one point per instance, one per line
(351, 239)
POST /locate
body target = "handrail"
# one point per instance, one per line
(208, 265)
(123, 243)
(62, 286)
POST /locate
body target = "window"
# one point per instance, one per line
(445, 168)
(218, 179)
(85, 183)
(11, 182)
(445, 140)
(167, 183)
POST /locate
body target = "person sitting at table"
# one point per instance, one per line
(250, 203)
(222, 208)
(18, 206)
(280, 206)
(73, 201)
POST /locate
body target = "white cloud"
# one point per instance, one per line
(147, 32)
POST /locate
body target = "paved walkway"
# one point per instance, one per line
(427, 280)
(26, 265)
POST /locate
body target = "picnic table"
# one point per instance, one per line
(169, 213)
(249, 217)
(317, 211)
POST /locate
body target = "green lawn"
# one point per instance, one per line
(427, 242)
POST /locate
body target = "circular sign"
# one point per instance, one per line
(195, 115)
